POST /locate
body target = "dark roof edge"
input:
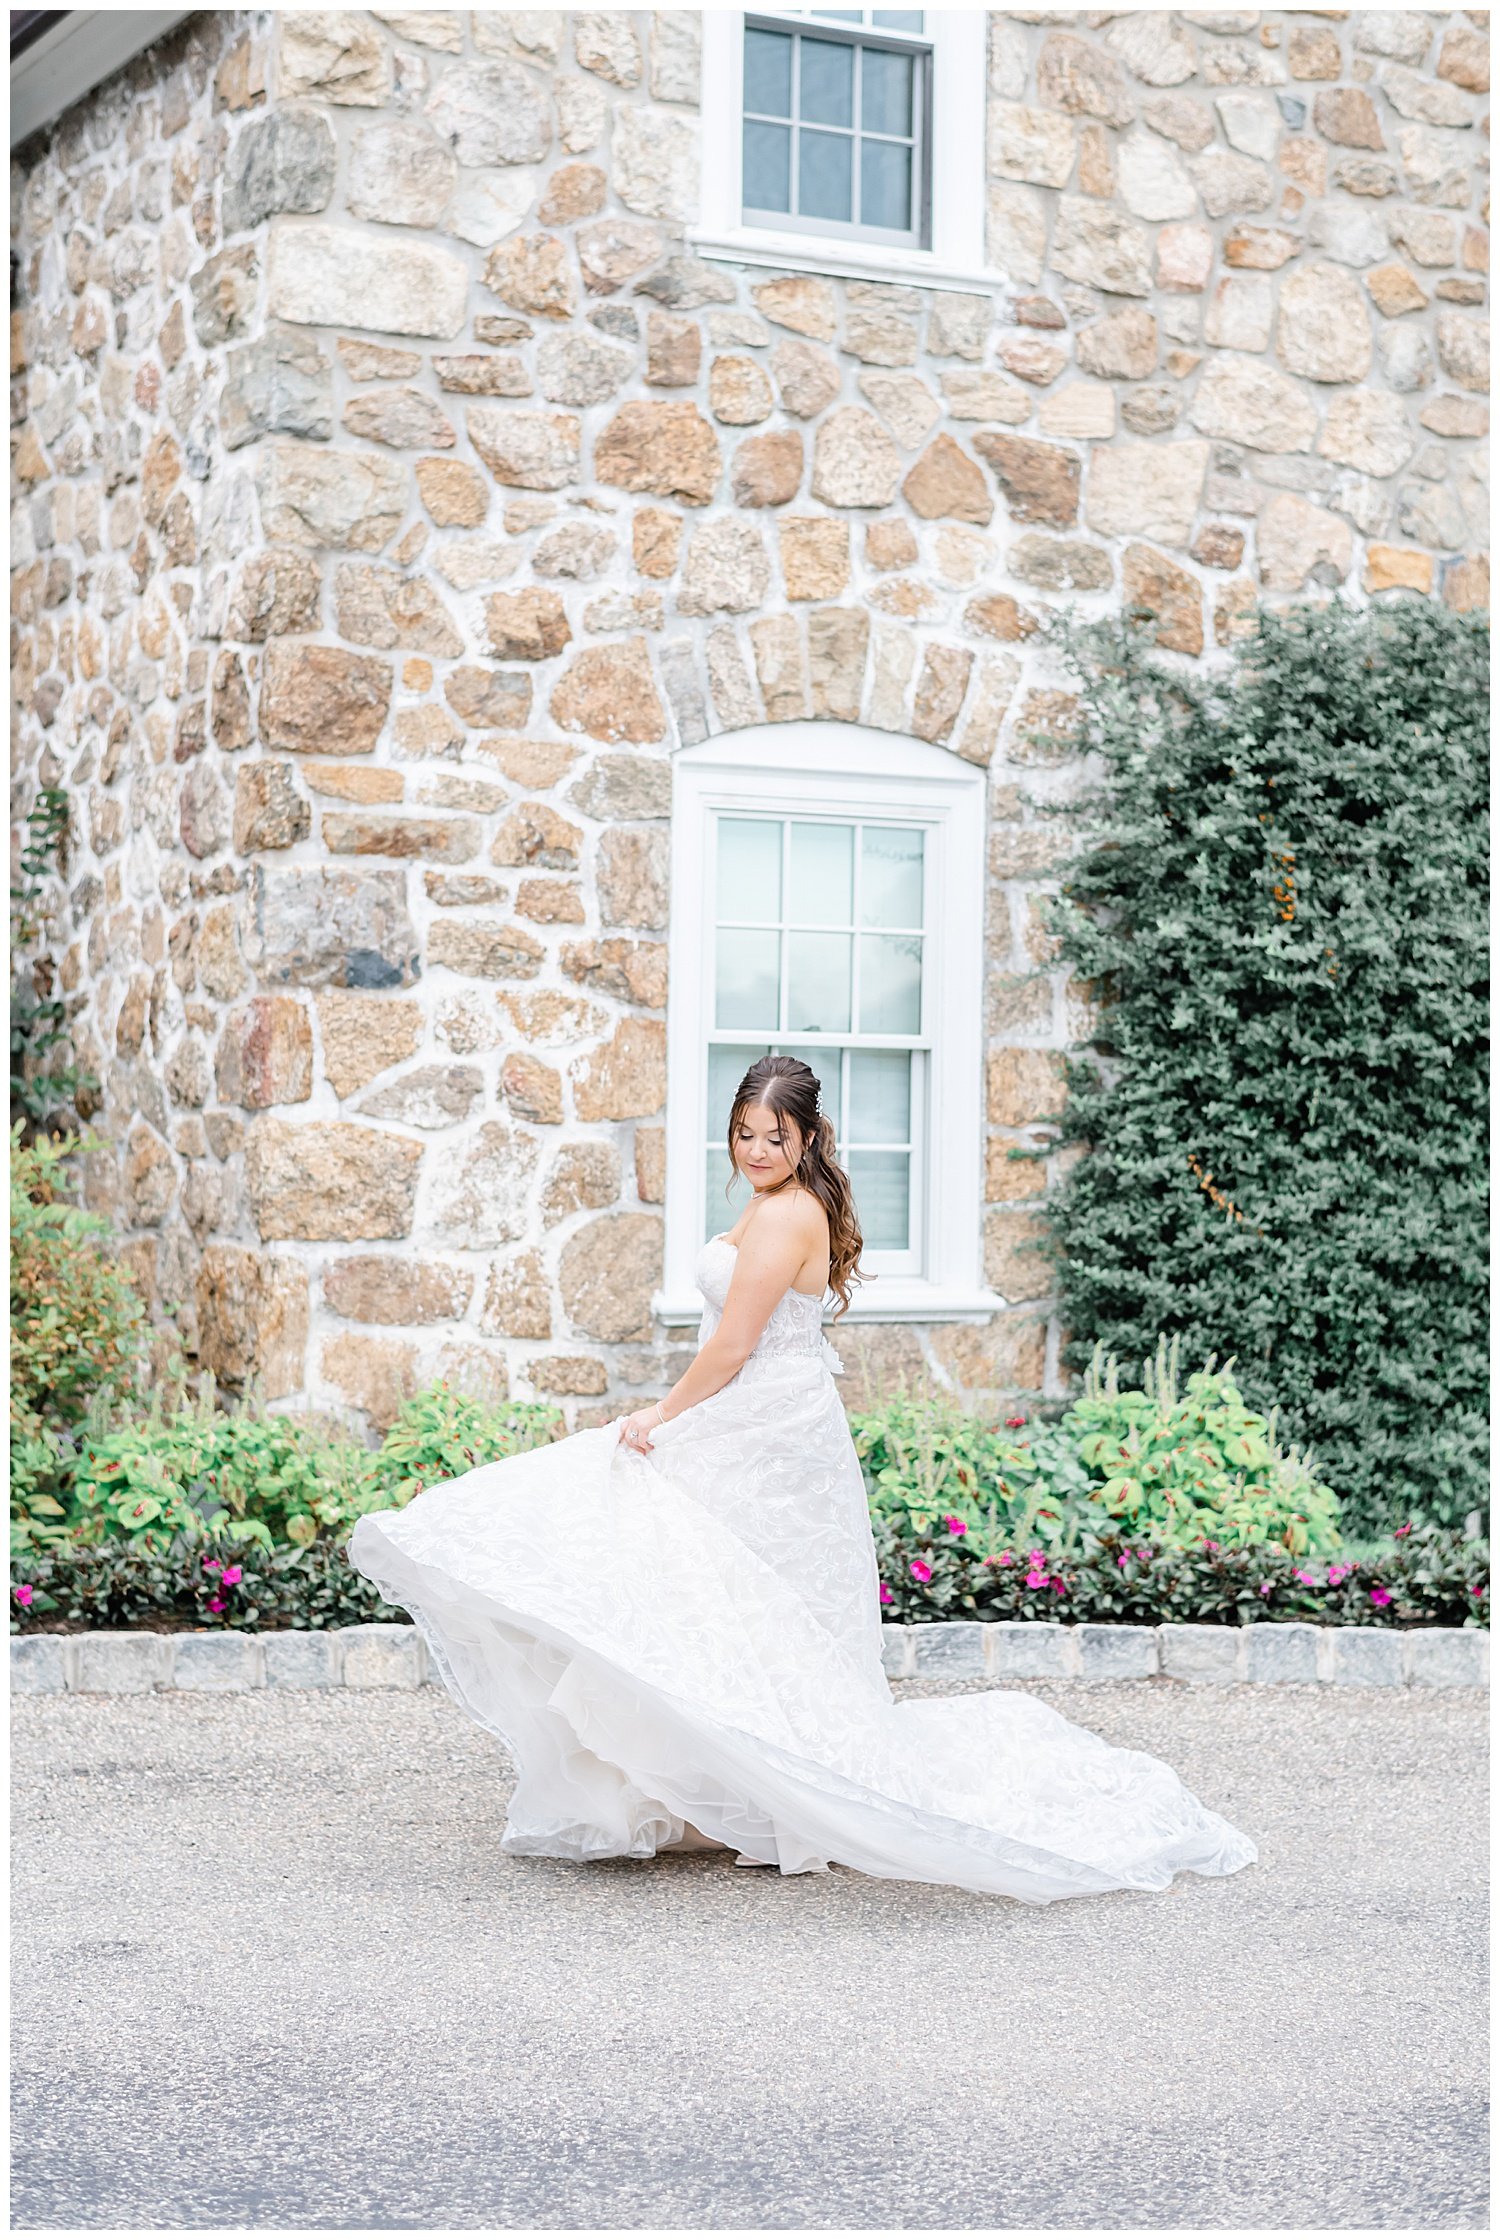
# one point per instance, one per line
(58, 57)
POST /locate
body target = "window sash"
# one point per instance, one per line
(918, 235)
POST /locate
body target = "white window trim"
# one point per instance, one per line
(840, 769)
(956, 259)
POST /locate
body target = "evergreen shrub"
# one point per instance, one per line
(1279, 909)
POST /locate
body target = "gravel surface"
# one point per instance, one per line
(271, 1970)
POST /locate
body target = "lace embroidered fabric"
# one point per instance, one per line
(693, 1636)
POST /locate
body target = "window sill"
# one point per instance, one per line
(848, 260)
(878, 1299)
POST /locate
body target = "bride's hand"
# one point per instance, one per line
(636, 1430)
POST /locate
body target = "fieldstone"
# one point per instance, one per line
(1239, 314)
(428, 1097)
(526, 450)
(1348, 118)
(890, 544)
(607, 1273)
(280, 384)
(454, 493)
(525, 625)
(814, 556)
(269, 812)
(1298, 541)
(625, 1078)
(346, 499)
(739, 392)
(777, 644)
(385, 607)
(484, 1202)
(609, 692)
(1032, 360)
(945, 484)
(1172, 596)
(1260, 248)
(1367, 429)
(337, 55)
(1389, 568)
(1464, 349)
(1060, 564)
(1455, 416)
(1033, 145)
(1121, 346)
(275, 594)
(1243, 400)
(1016, 231)
(483, 949)
(1098, 245)
(1153, 180)
(378, 1376)
(282, 161)
(379, 1288)
(532, 273)
(583, 1176)
(1146, 490)
(578, 551)
(766, 471)
(492, 374)
(941, 686)
(855, 462)
(1395, 290)
(655, 163)
(517, 1303)
(613, 250)
(837, 639)
(806, 379)
(575, 191)
(674, 351)
(265, 1054)
(148, 1178)
(1218, 546)
(1466, 584)
(224, 294)
(666, 447)
(958, 326)
(972, 395)
(1464, 57)
(377, 361)
(1152, 47)
(632, 878)
(491, 113)
(488, 699)
(204, 812)
(880, 336)
(1082, 79)
(655, 538)
(807, 306)
(326, 275)
(1322, 327)
(319, 928)
(1040, 480)
(1437, 164)
(327, 1181)
(623, 787)
(252, 1313)
(630, 971)
(404, 419)
(400, 174)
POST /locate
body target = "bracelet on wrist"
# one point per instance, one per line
(661, 1413)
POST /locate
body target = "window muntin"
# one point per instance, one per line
(836, 123)
(820, 947)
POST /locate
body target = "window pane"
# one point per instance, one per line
(825, 1064)
(825, 178)
(750, 871)
(728, 1063)
(890, 983)
(818, 976)
(897, 19)
(879, 1096)
(822, 875)
(768, 74)
(886, 92)
(827, 83)
(891, 876)
(720, 1212)
(885, 184)
(748, 980)
(768, 167)
(881, 1181)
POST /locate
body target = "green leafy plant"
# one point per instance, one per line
(77, 1327)
(441, 1433)
(44, 1083)
(191, 1580)
(1279, 904)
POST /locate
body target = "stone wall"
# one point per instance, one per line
(396, 488)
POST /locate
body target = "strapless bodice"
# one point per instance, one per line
(795, 1324)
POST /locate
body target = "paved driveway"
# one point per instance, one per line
(271, 1970)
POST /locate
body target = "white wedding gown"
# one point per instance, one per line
(693, 1636)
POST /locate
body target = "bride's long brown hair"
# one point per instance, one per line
(790, 1089)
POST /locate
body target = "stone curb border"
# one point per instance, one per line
(395, 1656)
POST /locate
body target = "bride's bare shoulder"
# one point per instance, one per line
(796, 1215)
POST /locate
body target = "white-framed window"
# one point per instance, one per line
(846, 140)
(827, 901)
(836, 131)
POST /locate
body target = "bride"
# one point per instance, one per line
(673, 1622)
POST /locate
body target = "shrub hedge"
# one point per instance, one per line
(1280, 905)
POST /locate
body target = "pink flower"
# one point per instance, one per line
(1402, 1530)
(1007, 1557)
(1379, 1597)
(885, 1593)
(920, 1570)
(1336, 1572)
(1476, 1590)
(1308, 1578)
(217, 1602)
(1058, 1587)
(1036, 1578)
(210, 1565)
(24, 1595)
(956, 1526)
(232, 1575)
(1266, 1588)
(1014, 1423)
(1034, 1556)
(1124, 1560)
